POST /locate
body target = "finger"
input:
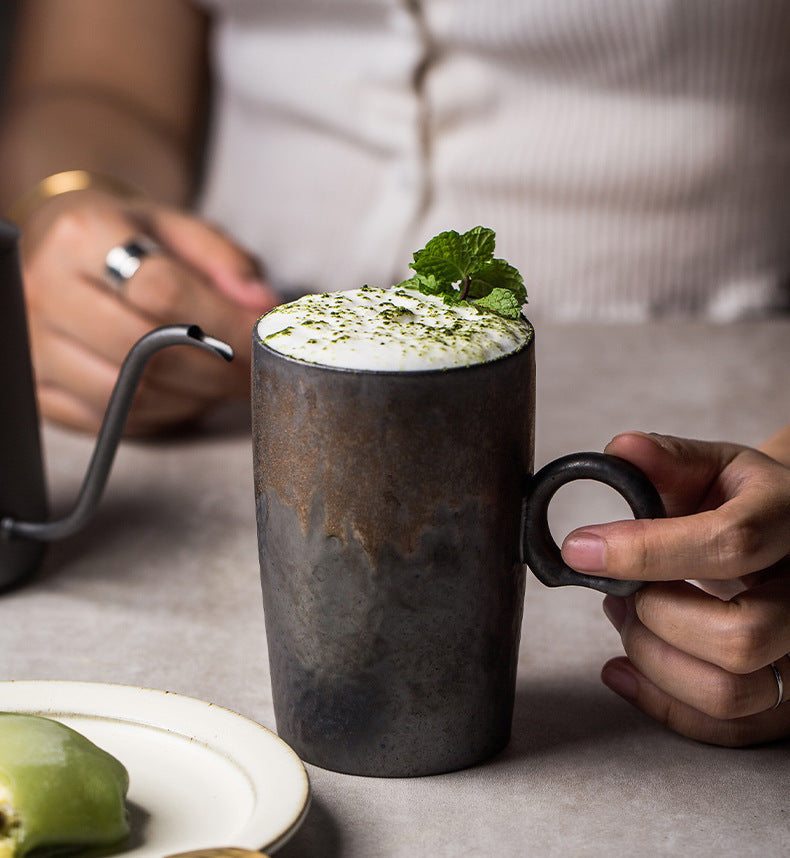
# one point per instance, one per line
(745, 532)
(108, 328)
(682, 470)
(79, 238)
(61, 361)
(165, 289)
(697, 683)
(83, 309)
(740, 635)
(61, 406)
(231, 269)
(624, 679)
(78, 391)
(69, 303)
(171, 293)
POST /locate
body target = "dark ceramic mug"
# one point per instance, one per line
(395, 513)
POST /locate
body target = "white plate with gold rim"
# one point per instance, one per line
(199, 775)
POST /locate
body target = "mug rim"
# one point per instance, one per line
(257, 341)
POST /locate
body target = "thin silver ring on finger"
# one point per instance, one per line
(780, 686)
(123, 260)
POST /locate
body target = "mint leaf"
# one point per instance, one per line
(496, 274)
(479, 243)
(463, 268)
(503, 302)
(451, 257)
(445, 257)
(427, 285)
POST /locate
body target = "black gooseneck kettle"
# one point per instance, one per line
(24, 528)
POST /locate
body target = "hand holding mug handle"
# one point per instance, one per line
(539, 550)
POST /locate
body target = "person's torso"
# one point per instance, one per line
(633, 156)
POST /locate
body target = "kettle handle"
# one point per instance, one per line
(22, 486)
(110, 433)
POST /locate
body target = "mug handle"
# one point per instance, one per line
(538, 548)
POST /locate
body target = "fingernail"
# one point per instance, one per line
(585, 552)
(621, 680)
(648, 436)
(615, 608)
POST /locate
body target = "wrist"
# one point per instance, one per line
(67, 182)
(778, 446)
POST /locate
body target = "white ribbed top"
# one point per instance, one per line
(633, 156)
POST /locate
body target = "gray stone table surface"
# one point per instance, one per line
(162, 591)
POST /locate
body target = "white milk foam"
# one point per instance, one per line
(394, 329)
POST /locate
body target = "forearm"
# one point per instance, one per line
(778, 446)
(52, 132)
(106, 86)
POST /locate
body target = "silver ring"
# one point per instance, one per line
(780, 686)
(123, 260)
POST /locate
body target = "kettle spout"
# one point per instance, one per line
(202, 340)
(111, 430)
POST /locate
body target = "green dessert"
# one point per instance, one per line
(58, 791)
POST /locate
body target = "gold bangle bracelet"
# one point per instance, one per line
(63, 183)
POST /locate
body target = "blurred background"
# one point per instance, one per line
(7, 8)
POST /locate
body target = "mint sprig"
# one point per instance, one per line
(463, 268)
